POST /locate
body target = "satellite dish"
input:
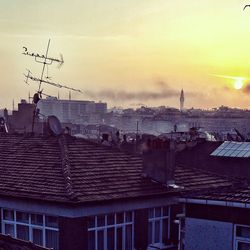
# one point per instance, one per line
(54, 125)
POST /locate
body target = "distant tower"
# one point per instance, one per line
(182, 100)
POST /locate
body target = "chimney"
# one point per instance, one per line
(159, 161)
(5, 114)
(105, 140)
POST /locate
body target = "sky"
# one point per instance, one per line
(129, 52)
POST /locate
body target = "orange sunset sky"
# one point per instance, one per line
(130, 52)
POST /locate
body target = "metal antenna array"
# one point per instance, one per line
(248, 5)
(46, 61)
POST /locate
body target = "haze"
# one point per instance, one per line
(131, 47)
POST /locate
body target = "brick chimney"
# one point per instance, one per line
(159, 161)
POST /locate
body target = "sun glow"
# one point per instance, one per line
(238, 81)
(238, 84)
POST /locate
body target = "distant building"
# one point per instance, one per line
(71, 110)
(21, 119)
(182, 99)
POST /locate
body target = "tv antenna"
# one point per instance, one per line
(46, 60)
(248, 5)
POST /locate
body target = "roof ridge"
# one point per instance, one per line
(66, 168)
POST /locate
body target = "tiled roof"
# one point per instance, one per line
(69, 169)
(241, 195)
(9, 243)
(200, 157)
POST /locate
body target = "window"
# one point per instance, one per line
(159, 226)
(111, 231)
(241, 237)
(40, 229)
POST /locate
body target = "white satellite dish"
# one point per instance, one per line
(54, 125)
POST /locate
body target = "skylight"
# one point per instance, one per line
(233, 149)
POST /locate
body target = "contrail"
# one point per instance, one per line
(231, 77)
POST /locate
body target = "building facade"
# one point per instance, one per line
(72, 111)
(218, 219)
(67, 193)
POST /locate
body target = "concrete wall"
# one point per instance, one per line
(208, 235)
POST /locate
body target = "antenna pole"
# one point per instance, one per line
(44, 64)
(40, 83)
(46, 61)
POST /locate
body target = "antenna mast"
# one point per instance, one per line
(44, 64)
(46, 60)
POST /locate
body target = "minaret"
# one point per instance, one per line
(182, 100)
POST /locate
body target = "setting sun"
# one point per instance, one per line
(238, 83)
(238, 80)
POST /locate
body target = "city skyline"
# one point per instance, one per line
(130, 52)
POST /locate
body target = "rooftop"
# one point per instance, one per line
(9, 243)
(74, 170)
(239, 195)
(201, 156)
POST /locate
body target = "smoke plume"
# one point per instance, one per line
(161, 91)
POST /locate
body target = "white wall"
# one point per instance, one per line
(208, 235)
